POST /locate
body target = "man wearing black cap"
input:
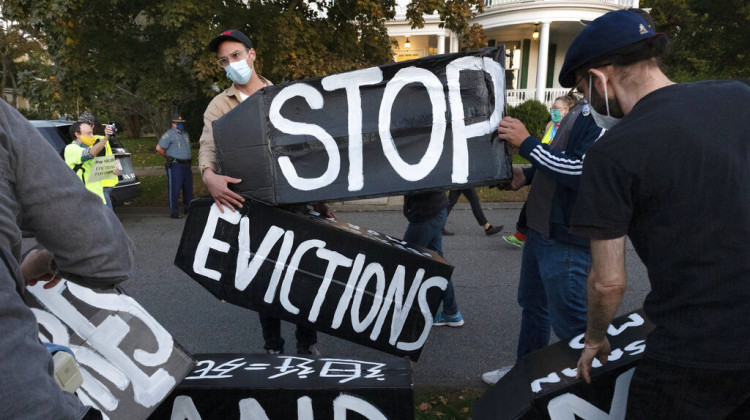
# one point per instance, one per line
(673, 174)
(174, 145)
(236, 55)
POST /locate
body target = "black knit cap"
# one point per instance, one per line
(231, 34)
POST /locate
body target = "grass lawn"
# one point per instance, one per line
(432, 403)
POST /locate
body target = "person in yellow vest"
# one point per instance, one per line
(109, 183)
(79, 155)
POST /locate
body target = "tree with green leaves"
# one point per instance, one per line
(15, 45)
(454, 15)
(709, 39)
(138, 61)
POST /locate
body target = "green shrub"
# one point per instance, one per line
(533, 114)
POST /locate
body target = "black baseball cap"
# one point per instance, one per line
(604, 35)
(177, 118)
(231, 34)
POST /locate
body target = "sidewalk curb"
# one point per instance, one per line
(344, 207)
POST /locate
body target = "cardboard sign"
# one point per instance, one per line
(262, 387)
(103, 168)
(336, 277)
(543, 384)
(128, 361)
(419, 125)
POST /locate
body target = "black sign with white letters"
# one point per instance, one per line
(263, 387)
(543, 384)
(338, 278)
(419, 125)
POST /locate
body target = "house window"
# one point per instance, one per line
(512, 64)
(404, 57)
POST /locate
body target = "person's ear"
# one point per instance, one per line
(598, 79)
(251, 55)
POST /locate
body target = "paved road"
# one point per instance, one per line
(485, 276)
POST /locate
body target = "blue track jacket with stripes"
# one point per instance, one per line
(564, 167)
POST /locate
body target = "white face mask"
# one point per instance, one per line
(239, 72)
(604, 121)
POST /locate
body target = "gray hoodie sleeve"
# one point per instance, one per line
(90, 245)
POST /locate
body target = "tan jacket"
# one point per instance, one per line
(220, 105)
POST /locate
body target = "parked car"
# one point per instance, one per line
(57, 133)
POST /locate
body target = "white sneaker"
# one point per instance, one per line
(493, 377)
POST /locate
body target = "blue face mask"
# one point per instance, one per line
(239, 72)
(179, 126)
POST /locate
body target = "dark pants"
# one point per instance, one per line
(473, 197)
(180, 178)
(661, 390)
(429, 234)
(306, 336)
(521, 223)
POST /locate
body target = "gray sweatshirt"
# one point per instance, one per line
(41, 195)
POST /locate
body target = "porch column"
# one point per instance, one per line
(441, 44)
(454, 43)
(541, 67)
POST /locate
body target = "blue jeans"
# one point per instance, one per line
(429, 234)
(107, 194)
(552, 289)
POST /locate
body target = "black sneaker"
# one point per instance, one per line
(176, 216)
(493, 230)
(272, 351)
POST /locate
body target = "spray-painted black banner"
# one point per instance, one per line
(128, 361)
(338, 278)
(543, 385)
(262, 387)
(419, 125)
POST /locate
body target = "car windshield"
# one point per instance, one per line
(54, 138)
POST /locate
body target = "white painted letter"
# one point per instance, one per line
(315, 101)
(372, 269)
(344, 403)
(437, 137)
(346, 297)
(461, 131)
(245, 273)
(208, 242)
(352, 81)
(438, 282)
(286, 286)
(334, 261)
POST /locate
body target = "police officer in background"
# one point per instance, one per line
(174, 145)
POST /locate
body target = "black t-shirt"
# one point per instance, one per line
(424, 206)
(674, 175)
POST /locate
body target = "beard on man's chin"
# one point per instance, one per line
(597, 102)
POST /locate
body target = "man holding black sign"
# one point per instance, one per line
(673, 183)
(236, 55)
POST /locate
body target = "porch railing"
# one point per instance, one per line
(514, 97)
(621, 3)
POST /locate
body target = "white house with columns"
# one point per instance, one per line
(536, 35)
